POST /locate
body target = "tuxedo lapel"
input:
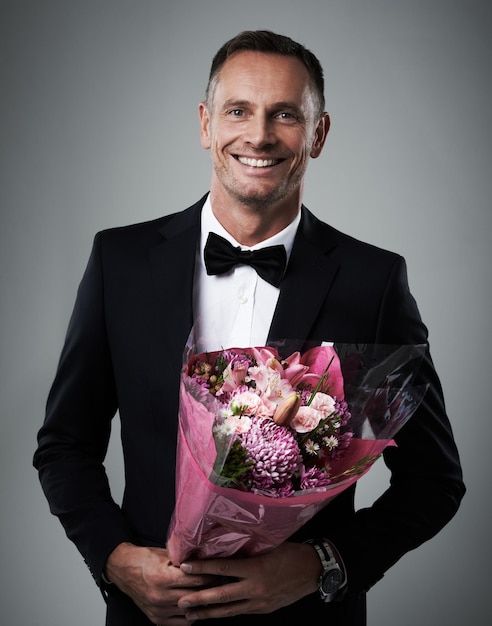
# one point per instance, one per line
(174, 289)
(308, 279)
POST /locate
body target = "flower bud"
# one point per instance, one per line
(286, 409)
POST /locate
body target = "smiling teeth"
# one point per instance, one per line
(257, 162)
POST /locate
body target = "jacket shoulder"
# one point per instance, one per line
(151, 232)
(342, 245)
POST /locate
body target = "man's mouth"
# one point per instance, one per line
(257, 162)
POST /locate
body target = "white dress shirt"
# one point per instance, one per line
(234, 309)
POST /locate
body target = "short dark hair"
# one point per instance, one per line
(269, 42)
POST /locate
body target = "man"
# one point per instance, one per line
(145, 286)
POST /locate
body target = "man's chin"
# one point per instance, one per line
(258, 200)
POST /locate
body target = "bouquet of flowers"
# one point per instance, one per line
(266, 441)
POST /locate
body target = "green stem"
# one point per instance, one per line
(358, 467)
(320, 382)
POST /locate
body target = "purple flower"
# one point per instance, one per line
(341, 407)
(275, 455)
(285, 490)
(313, 478)
(343, 443)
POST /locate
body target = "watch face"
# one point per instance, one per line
(332, 579)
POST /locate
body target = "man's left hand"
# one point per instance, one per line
(262, 583)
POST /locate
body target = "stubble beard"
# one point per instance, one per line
(257, 200)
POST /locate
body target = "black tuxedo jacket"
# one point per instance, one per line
(123, 352)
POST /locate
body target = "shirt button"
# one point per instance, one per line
(242, 299)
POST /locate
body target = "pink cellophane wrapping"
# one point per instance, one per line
(213, 521)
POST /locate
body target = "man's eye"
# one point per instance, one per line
(285, 115)
(236, 112)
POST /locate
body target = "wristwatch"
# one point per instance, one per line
(333, 577)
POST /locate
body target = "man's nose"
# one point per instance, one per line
(260, 131)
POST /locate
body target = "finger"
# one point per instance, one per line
(229, 594)
(227, 568)
(216, 611)
(196, 581)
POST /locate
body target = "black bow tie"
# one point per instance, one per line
(221, 256)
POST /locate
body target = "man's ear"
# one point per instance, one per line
(204, 125)
(320, 135)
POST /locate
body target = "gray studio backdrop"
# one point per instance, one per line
(99, 128)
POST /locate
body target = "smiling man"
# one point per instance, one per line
(146, 285)
(262, 122)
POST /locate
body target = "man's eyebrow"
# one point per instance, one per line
(286, 105)
(235, 103)
(276, 106)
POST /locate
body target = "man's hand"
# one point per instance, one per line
(153, 582)
(264, 583)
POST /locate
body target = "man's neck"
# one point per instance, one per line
(250, 225)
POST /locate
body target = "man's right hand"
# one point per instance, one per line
(149, 578)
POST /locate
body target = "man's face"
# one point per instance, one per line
(261, 129)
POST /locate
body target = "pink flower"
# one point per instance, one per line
(249, 403)
(270, 382)
(324, 403)
(308, 417)
(265, 356)
(234, 374)
(295, 370)
(317, 360)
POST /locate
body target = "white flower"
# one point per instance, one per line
(224, 412)
(311, 447)
(331, 442)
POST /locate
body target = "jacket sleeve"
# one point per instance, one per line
(73, 440)
(426, 484)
